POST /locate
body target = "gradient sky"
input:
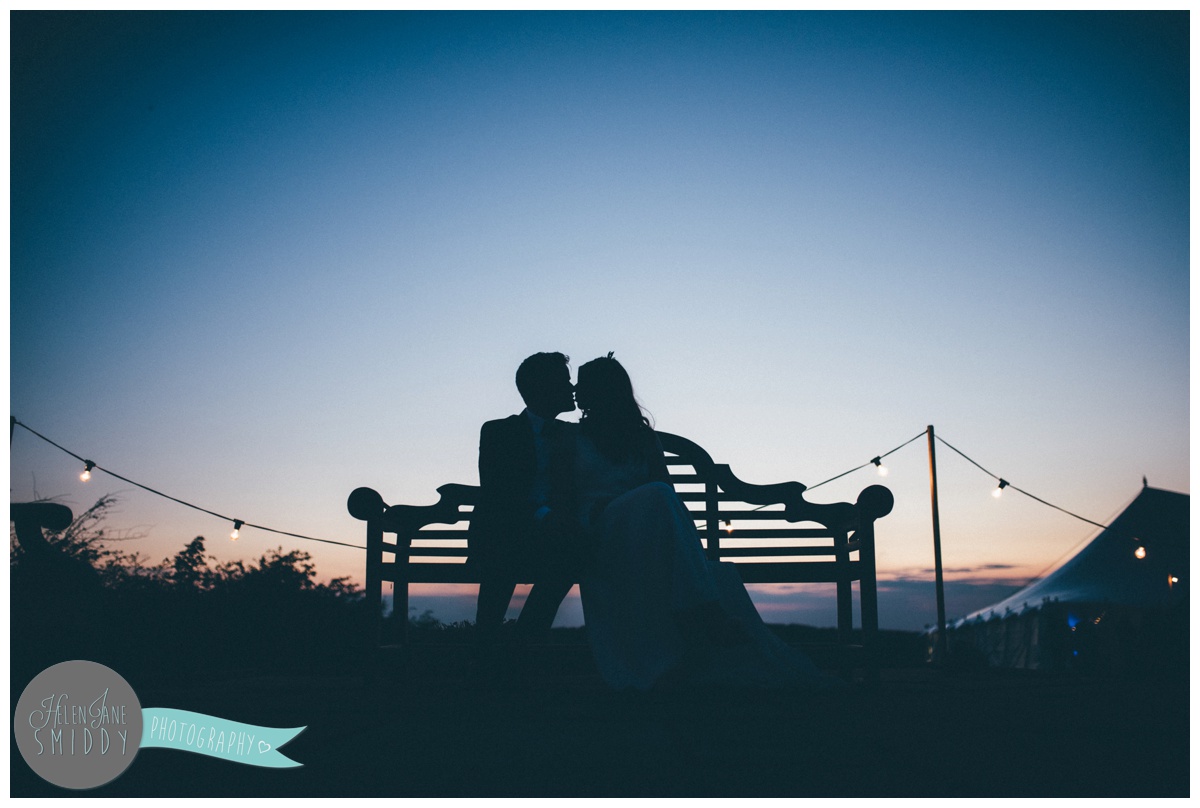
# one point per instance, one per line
(260, 259)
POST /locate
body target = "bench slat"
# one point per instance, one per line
(750, 572)
(460, 552)
(780, 534)
(769, 533)
(757, 516)
(775, 552)
(775, 533)
(726, 550)
(721, 496)
(800, 572)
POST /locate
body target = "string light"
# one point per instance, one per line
(1004, 483)
(89, 465)
(877, 461)
(1139, 553)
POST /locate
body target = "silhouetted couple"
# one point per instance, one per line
(592, 503)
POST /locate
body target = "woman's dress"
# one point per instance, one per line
(647, 566)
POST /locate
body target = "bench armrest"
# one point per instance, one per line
(366, 504)
(873, 502)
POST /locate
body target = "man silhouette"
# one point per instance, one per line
(524, 529)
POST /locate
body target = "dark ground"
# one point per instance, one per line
(558, 732)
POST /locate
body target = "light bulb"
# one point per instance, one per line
(728, 526)
(879, 467)
(87, 470)
(1000, 488)
(237, 524)
(1139, 553)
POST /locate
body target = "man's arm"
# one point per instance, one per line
(500, 467)
(491, 461)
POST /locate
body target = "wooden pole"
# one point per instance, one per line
(937, 551)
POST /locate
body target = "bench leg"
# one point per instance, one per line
(400, 611)
(868, 599)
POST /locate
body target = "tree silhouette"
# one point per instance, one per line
(189, 570)
(188, 615)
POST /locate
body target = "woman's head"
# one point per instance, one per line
(603, 386)
(612, 416)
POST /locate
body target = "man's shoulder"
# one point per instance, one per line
(505, 426)
(501, 423)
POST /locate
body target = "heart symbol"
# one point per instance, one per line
(263, 747)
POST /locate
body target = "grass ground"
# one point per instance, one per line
(427, 730)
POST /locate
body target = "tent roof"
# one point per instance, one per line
(1107, 569)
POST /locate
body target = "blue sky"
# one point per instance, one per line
(260, 259)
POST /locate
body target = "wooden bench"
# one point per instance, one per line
(753, 525)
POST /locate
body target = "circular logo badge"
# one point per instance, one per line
(78, 724)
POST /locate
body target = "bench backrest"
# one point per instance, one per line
(737, 521)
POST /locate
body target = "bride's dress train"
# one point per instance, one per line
(648, 567)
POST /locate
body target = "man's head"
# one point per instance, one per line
(544, 381)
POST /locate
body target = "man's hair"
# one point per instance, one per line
(537, 372)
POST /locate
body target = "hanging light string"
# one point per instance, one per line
(1006, 484)
(238, 523)
(1070, 552)
(89, 465)
(874, 461)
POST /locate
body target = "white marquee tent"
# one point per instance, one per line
(1119, 601)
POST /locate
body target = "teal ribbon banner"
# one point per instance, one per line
(168, 728)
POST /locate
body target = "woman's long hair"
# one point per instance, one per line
(614, 420)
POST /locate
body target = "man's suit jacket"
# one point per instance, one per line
(502, 536)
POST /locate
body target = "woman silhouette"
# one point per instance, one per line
(653, 603)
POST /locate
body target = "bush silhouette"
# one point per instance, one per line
(188, 616)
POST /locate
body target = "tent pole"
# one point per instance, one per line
(940, 654)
